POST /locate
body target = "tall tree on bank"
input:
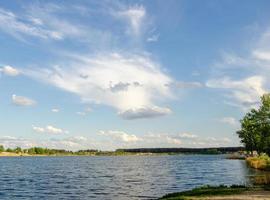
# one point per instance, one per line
(255, 128)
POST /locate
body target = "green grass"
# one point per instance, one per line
(206, 191)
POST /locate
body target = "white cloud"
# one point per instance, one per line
(49, 129)
(251, 74)
(15, 26)
(135, 16)
(229, 120)
(121, 136)
(55, 110)
(9, 70)
(111, 140)
(45, 21)
(147, 112)
(246, 92)
(68, 143)
(187, 135)
(12, 142)
(132, 84)
(262, 55)
(38, 129)
(22, 101)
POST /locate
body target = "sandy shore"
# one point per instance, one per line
(11, 154)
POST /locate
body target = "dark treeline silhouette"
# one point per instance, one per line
(46, 151)
(185, 150)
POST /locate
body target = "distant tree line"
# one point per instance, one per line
(218, 150)
(255, 128)
(46, 151)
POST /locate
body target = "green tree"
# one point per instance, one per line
(18, 150)
(2, 148)
(9, 150)
(255, 128)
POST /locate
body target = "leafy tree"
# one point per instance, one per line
(2, 148)
(9, 150)
(18, 150)
(255, 128)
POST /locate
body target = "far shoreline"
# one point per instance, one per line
(40, 151)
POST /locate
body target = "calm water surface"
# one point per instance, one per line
(121, 177)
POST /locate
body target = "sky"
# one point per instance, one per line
(129, 74)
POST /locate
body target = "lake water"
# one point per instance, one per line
(121, 177)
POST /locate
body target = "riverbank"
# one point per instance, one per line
(221, 192)
(260, 162)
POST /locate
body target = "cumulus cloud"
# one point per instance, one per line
(9, 70)
(49, 129)
(148, 112)
(68, 143)
(22, 101)
(132, 84)
(112, 139)
(121, 136)
(121, 139)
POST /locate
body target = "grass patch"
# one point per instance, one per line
(206, 191)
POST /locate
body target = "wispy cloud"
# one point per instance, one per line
(186, 85)
(153, 38)
(244, 93)
(46, 22)
(134, 16)
(9, 71)
(18, 27)
(22, 101)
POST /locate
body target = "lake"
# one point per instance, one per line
(120, 177)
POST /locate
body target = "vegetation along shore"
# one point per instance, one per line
(37, 151)
(255, 136)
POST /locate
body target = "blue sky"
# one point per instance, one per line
(114, 74)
